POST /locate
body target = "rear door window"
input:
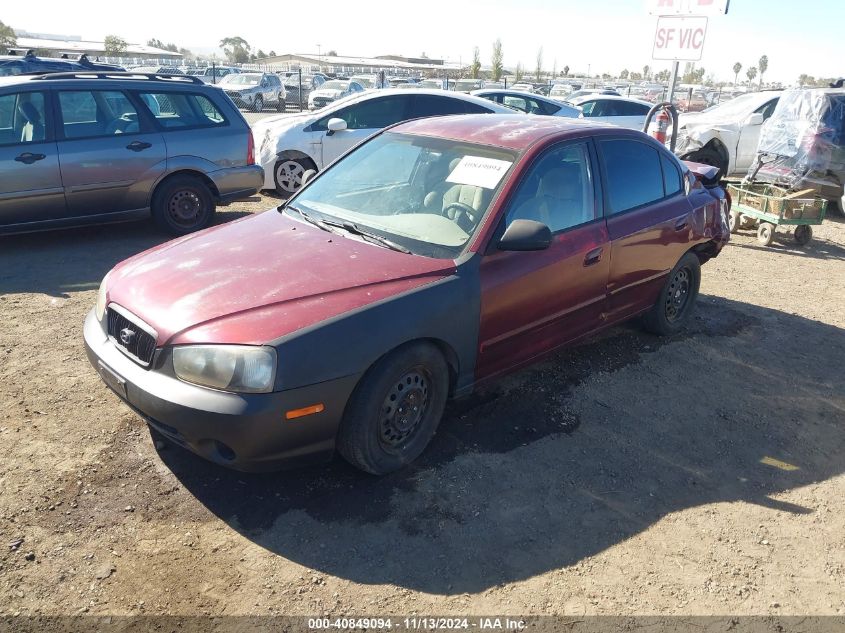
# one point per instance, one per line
(633, 173)
(22, 118)
(430, 105)
(173, 110)
(93, 113)
(672, 182)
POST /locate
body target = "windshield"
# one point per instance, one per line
(431, 84)
(428, 195)
(367, 82)
(335, 85)
(467, 84)
(241, 80)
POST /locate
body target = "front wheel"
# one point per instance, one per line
(258, 104)
(288, 175)
(674, 304)
(281, 105)
(766, 233)
(182, 204)
(734, 222)
(394, 411)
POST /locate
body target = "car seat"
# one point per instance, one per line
(33, 129)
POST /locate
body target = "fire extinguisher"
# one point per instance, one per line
(660, 126)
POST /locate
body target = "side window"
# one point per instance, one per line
(634, 175)
(549, 108)
(588, 108)
(22, 118)
(374, 113)
(767, 108)
(91, 113)
(180, 109)
(557, 190)
(429, 105)
(672, 182)
(517, 103)
(474, 108)
(627, 108)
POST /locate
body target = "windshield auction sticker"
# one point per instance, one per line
(479, 171)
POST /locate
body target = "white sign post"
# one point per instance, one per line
(687, 7)
(679, 38)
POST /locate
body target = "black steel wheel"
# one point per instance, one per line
(281, 105)
(676, 300)
(394, 411)
(258, 104)
(183, 204)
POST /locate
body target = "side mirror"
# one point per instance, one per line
(525, 235)
(307, 175)
(755, 118)
(335, 125)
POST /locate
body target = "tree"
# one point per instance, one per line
(737, 68)
(751, 73)
(332, 53)
(271, 54)
(186, 54)
(260, 54)
(114, 45)
(496, 60)
(763, 65)
(155, 43)
(566, 71)
(236, 49)
(475, 69)
(636, 76)
(520, 71)
(539, 69)
(645, 71)
(623, 74)
(7, 38)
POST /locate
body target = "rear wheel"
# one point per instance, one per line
(280, 104)
(183, 204)
(394, 412)
(803, 234)
(674, 304)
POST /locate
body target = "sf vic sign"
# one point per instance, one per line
(679, 38)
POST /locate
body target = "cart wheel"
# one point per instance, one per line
(803, 234)
(766, 233)
(734, 222)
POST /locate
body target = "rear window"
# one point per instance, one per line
(182, 109)
(634, 174)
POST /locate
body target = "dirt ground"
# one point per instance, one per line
(703, 474)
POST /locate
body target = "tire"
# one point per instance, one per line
(734, 221)
(281, 106)
(671, 311)
(258, 104)
(711, 157)
(766, 233)
(803, 234)
(287, 174)
(182, 204)
(382, 429)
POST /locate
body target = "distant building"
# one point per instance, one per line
(50, 45)
(391, 64)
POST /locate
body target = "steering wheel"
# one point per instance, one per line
(461, 211)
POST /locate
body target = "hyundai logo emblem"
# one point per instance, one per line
(127, 336)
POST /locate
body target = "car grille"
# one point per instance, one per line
(138, 344)
(320, 102)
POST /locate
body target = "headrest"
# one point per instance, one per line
(29, 112)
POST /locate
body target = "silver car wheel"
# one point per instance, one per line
(289, 175)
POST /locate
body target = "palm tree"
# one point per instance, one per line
(751, 73)
(737, 68)
(763, 65)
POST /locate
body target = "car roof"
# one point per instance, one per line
(510, 131)
(103, 78)
(590, 97)
(377, 94)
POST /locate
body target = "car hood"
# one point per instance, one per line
(257, 279)
(708, 120)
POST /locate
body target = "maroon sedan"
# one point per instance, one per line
(438, 255)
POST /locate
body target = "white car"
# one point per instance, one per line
(529, 103)
(621, 111)
(726, 135)
(331, 91)
(561, 91)
(522, 88)
(371, 82)
(289, 145)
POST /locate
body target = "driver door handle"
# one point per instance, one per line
(28, 158)
(593, 257)
(137, 146)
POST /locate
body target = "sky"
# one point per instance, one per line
(599, 35)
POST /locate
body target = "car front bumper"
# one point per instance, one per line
(246, 432)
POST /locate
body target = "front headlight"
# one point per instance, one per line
(100, 307)
(238, 368)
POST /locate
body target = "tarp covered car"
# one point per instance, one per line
(802, 145)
